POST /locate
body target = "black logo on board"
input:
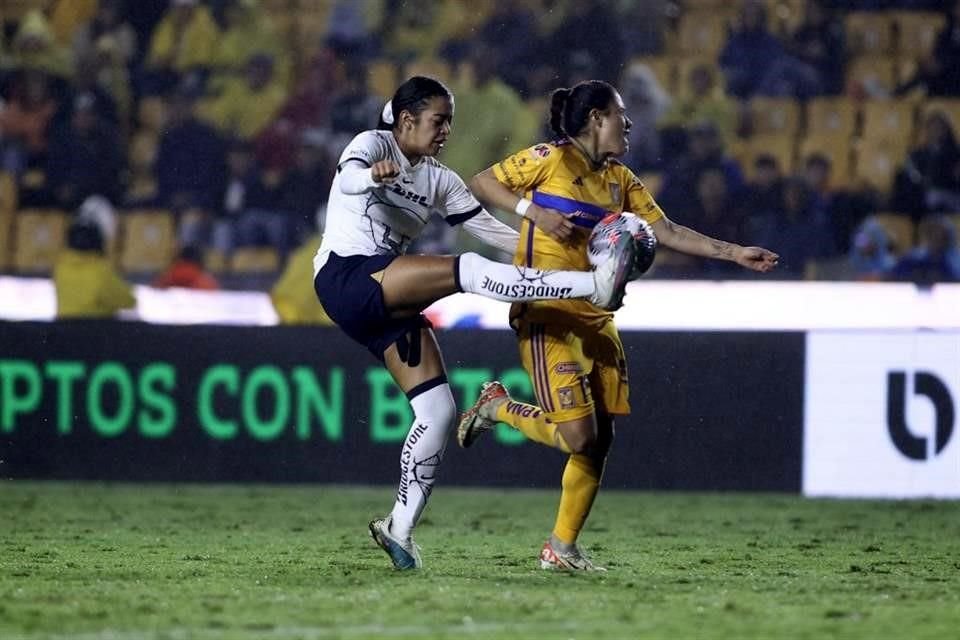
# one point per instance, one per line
(924, 384)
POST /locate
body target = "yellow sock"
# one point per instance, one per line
(581, 481)
(533, 423)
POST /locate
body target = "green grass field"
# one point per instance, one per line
(126, 562)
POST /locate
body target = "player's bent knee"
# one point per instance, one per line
(580, 441)
(446, 413)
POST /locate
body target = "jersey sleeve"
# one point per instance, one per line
(526, 169)
(638, 199)
(367, 147)
(457, 203)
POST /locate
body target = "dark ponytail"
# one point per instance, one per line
(412, 96)
(570, 108)
(558, 101)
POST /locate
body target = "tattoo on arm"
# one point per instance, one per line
(689, 241)
(721, 249)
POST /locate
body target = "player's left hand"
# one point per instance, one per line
(756, 258)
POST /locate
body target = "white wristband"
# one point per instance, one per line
(522, 206)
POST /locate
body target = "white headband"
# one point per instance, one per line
(387, 113)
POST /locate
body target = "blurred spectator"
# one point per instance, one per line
(107, 30)
(717, 216)
(937, 259)
(763, 195)
(646, 103)
(101, 212)
(25, 121)
(939, 73)
(870, 258)
(103, 103)
(704, 102)
(246, 105)
(812, 61)
(251, 212)
(248, 28)
(85, 158)
(187, 272)
(35, 48)
(86, 283)
(307, 186)
(588, 37)
(842, 211)
(308, 108)
(418, 28)
(354, 108)
(681, 175)
(750, 52)
(66, 16)
(930, 179)
(190, 167)
(643, 25)
(490, 121)
(510, 29)
(353, 28)
(183, 41)
(295, 303)
(799, 232)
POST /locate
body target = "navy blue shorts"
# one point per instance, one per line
(354, 300)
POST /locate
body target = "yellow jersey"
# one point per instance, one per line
(558, 176)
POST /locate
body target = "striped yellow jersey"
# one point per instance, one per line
(559, 176)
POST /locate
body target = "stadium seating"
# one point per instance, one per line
(664, 68)
(831, 116)
(890, 122)
(876, 73)
(775, 116)
(916, 32)
(703, 33)
(254, 260)
(382, 78)
(38, 236)
(8, 193)
(869, 33)
(781, 147)
(147, 240)
(432, 67)
(836, 150)
(876, 163)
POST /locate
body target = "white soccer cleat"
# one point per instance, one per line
(610, 277)
(551, 558)
(482, 416)
(405, 554)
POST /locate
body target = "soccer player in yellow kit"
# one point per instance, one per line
(570, 348)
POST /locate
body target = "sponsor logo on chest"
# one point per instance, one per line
(408, 194)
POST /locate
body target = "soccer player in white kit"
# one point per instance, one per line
(387, 185)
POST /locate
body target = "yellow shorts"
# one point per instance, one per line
(575, 371)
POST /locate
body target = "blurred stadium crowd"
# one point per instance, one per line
(200, 136)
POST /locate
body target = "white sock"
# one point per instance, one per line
(513, 283)
(434, 412)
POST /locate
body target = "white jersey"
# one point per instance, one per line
(386, 218)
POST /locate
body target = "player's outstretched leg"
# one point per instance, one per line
(482, 416)
(555, 556)
(604, 286)
(405, 554)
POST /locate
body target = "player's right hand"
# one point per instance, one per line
(384, 171)
(554, 223)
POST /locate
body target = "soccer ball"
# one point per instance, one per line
(605, 235)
